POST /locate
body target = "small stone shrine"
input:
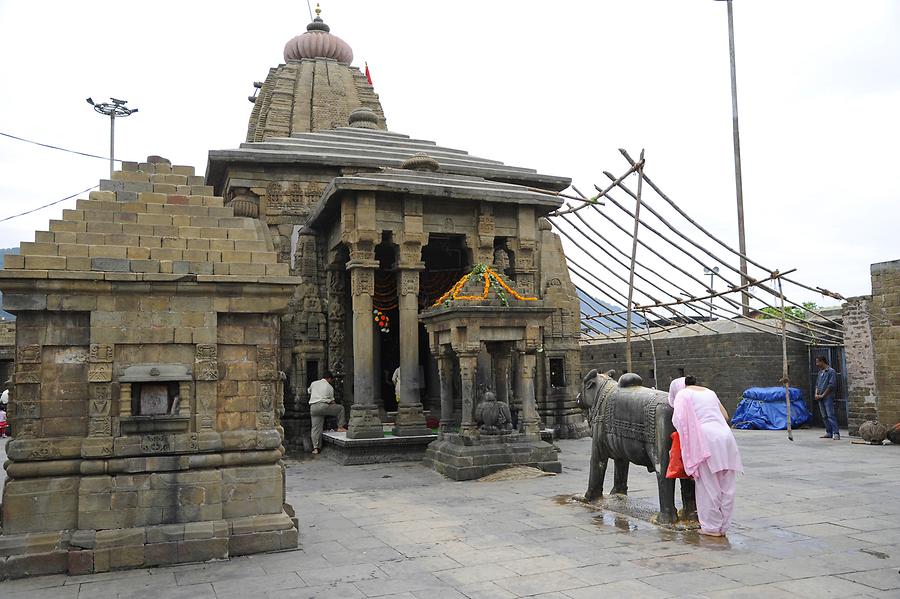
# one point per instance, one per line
(147, 393)
(482, 313)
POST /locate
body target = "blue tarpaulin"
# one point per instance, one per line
(764, 408)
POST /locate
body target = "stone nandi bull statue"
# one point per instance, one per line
(632, 424)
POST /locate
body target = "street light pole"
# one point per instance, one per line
(742, 244)
(112, 109)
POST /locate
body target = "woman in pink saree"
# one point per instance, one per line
(709, 452)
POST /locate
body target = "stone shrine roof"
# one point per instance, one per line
(432, 184)
(368, 148)
(151, 222)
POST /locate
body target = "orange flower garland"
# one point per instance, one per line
(489, 275)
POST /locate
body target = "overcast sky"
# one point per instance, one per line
(556, 86)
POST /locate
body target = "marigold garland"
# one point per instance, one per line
(489, 275)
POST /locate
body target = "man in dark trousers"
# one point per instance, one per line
(825, 386)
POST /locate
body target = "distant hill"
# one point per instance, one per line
(3, 252)
(591, 305)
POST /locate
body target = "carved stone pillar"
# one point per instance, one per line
(468, 361)
(364, 421)
(529, 423)
(410, 417)
(501, 374)
(444, 358)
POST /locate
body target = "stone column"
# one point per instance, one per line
(364, 421)
(468, 361)
(529, 423)
(444, 358)
(410, 417)
(501, 374)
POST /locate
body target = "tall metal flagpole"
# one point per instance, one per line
(742, 244)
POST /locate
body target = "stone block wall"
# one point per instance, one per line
(872, 344)
(862, 394)
(884, 313)
(727, 363)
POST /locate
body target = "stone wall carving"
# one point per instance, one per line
(362, 281)
(267, 362)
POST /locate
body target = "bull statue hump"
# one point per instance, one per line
(631, 424)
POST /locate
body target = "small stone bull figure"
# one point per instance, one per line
(632, 424)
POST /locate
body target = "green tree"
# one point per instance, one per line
(792, 312)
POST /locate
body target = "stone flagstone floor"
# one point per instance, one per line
(815, 518)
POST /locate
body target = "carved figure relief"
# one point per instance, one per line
(486, 225)
(101, 352)
(99, 427)
(100, 402)
(207, 351)
(292, 197)
(28, 373)
(409, 282)
(265, 420)
(28, 354)
(100, 373)
(362, 281)
(155, 443)
(45, 449)
(266, 397)
(266, 363)
(206, 370)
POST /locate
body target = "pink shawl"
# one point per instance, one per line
(694, 448)
(676, 386)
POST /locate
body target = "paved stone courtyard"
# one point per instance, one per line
(815, 518)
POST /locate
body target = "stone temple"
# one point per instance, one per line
(169, 326)
(370, 219)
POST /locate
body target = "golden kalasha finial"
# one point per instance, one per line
(318, 10)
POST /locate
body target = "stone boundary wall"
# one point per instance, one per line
(884, 314)
(728, 363)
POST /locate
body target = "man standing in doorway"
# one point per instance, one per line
(825, 386)
(322, 404)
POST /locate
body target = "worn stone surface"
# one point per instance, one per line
(407, 532)
(871, 339)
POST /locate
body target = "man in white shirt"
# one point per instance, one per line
(322, 404)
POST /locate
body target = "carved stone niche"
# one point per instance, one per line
(155, 398)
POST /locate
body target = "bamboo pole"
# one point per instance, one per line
(769, 290)
(823, 291)
(590, 201)
(784, 363)
(652, 352)
(637, 224)
(571, 263)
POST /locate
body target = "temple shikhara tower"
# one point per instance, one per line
(170, 325)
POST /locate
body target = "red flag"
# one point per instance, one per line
(368, 75)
